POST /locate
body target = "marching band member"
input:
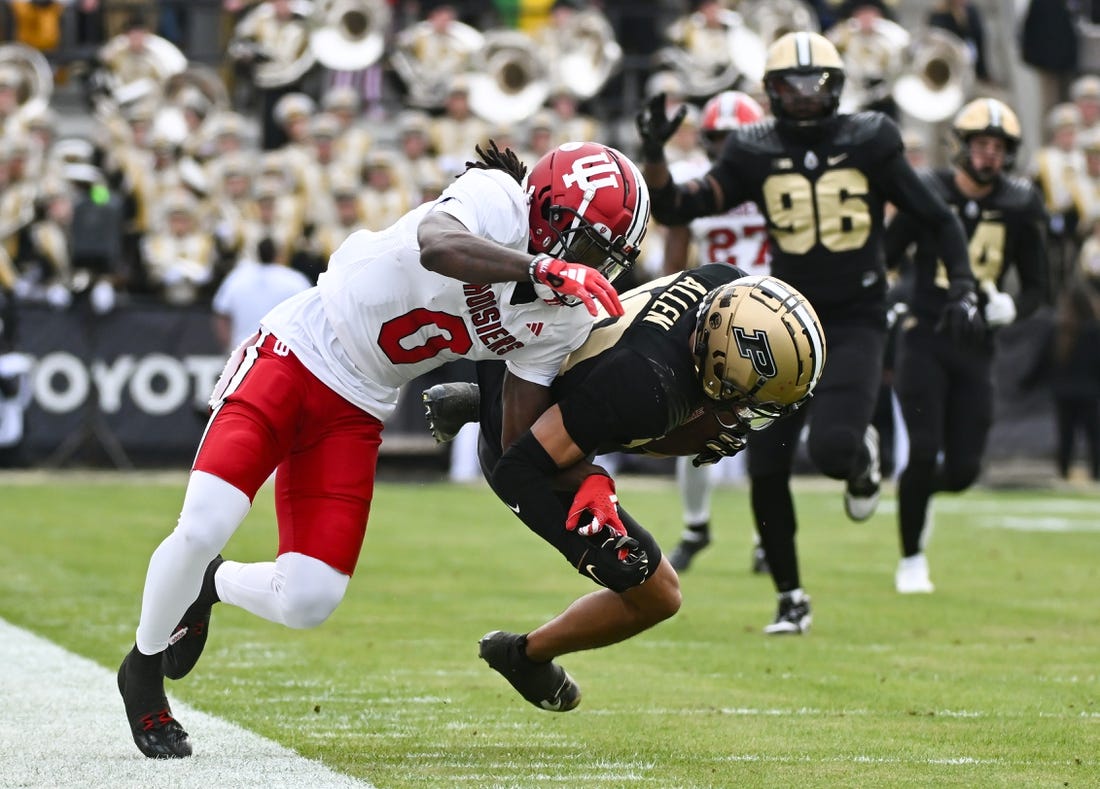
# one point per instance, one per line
(179, 256)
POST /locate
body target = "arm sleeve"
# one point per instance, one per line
(523, 479)
(1031, 263)
(900, 234)
(713, 193)
(916, 198)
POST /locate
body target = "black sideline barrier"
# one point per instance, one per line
(130, 388)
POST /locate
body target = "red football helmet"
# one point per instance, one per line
(589, 204)
(725, 111)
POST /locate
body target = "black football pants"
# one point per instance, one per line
(838, 415)
(946, 394)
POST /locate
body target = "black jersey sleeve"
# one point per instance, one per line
(677, 204)
(1031, 258)
(623, 399)
(902, 232)
(916, 197)
(722, 188)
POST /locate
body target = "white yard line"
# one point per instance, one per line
(62, 725)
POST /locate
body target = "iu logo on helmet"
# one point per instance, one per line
(754, 346)
(592, 172)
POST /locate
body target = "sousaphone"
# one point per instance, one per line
(509, 80)
(938, 78)
(350, 35)
(36, 84)
(590, 57)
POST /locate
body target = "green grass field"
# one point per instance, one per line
(991, 681)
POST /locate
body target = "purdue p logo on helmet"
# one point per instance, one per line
(759, 345)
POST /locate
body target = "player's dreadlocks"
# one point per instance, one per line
(496, 159)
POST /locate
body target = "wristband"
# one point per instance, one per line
(534, 265)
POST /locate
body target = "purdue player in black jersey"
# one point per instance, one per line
(822, 180)
(698, 360)
(946, 388)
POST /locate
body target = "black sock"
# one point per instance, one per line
(208, 595)
(773, 508)
(698, 531)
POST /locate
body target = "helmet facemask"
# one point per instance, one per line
(582, 242)
(986, 175)
(804, 99)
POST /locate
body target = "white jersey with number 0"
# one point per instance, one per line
(377, 318)
(738, 237)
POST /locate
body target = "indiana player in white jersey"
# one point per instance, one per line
(739, 238)
(490, 270)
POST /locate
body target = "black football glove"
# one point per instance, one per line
(655, 127)
(960, 318)
(616, 561)
(725, 445)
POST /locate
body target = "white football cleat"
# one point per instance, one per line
(861, 493)
(912, 576)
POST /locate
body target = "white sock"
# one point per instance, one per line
(695, 490)
(212, 510)
(294, 590)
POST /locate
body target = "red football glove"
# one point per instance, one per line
(596, 500)
(576, 280)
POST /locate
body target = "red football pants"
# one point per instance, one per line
(274, 413)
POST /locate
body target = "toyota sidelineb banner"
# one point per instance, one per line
(132, 386)
(137, 378)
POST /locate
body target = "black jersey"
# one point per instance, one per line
(823, 200)
(1005, 230)
(634, 378)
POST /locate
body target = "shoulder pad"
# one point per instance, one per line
(866, 127)
(939, 180)
(758, 137)
(1020, 194)
(718, 273)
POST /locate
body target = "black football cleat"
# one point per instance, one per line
(793, 616)
(546, 685)
(156, 733)
(448, 407)
(188, 640)
(691, 543)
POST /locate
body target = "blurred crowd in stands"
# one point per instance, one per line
(205, 130)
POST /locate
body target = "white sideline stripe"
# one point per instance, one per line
(62, 725)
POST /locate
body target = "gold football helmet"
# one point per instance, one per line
(803, 77)
(759, 348)
(986, 117)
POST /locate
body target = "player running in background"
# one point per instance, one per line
(739, 237)
(822, 180)
(487, 271)
(699, 360)
(945, 387)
